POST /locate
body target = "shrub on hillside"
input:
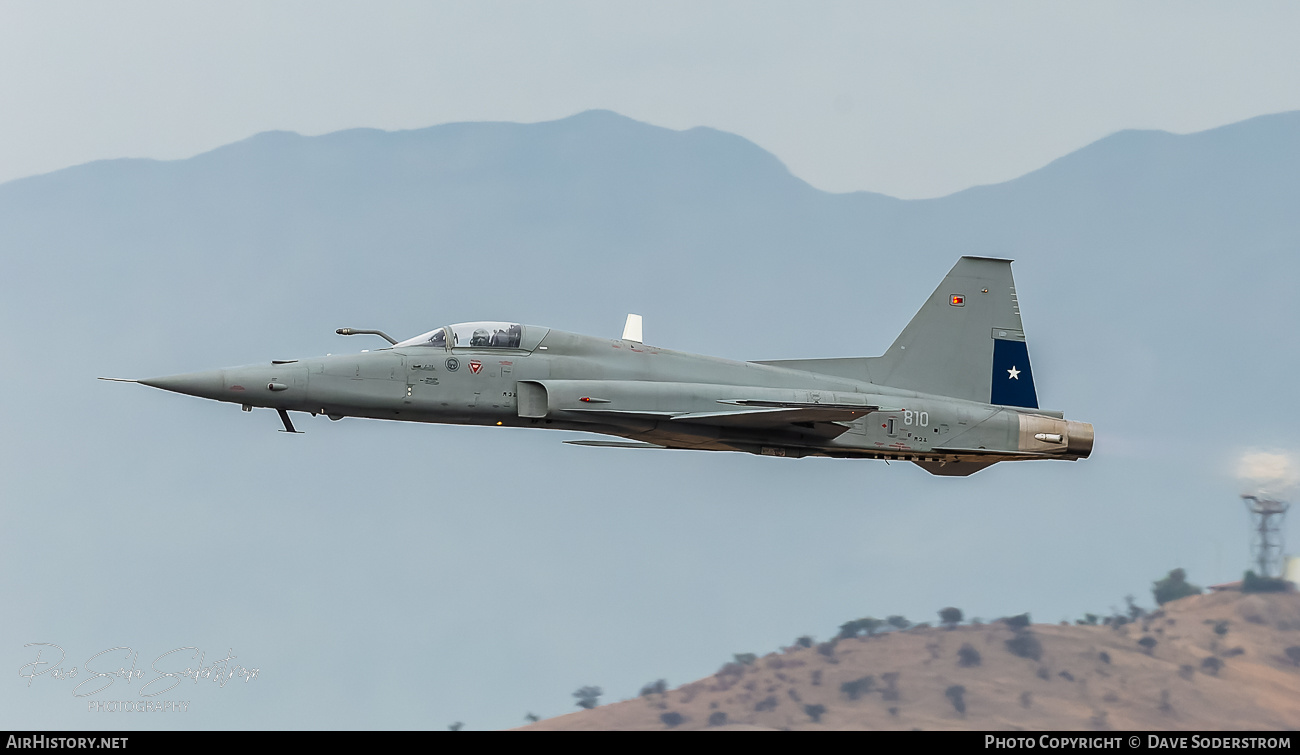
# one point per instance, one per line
(717, 718)
(898, 622)
(956, 694)
(1211, 666)
(968, 656)
(1173, 588)
(588, 697)
(1017, 622)
(1293, 654)
(671, 718)
(1025, 645)
(1148, 644)
(950, 617)
(858, 687)
(655, 688)
(815, 712)
(851, 629)
(1135, 611)
(890, 692)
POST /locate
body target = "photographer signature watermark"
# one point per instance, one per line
(163, 674)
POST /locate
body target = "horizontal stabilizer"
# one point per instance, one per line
(612, 444)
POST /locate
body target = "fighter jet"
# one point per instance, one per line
(953, 394)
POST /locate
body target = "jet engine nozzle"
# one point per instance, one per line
(1079, 435)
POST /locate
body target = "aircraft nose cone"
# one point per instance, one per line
(210, 384)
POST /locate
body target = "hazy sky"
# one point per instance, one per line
(910, 99)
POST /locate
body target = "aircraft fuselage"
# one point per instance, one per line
(640, 392)
(954, 393)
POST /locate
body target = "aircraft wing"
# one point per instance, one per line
(990, 452)
(613, 444)
(749, 414)
(765, 415)
(685, 405)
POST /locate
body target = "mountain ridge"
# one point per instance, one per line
(1122, 141)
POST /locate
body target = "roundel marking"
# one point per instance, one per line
(453, 364)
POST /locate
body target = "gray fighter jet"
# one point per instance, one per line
(953, 394)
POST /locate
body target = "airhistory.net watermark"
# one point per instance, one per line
(42, 742)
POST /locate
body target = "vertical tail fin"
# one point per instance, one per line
(966, 341)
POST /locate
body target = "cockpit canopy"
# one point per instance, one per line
(472, 335)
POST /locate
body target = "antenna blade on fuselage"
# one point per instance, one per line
(632, 329)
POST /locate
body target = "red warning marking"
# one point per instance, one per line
(475, 365)
(236, 387)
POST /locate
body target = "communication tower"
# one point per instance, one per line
(1266, 516)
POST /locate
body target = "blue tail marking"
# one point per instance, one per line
(1013, 380)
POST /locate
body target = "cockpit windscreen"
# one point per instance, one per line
(487, 335)
(472, 335)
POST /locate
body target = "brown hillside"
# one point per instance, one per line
(1070, 686)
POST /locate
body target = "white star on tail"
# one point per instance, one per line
(1014, 373)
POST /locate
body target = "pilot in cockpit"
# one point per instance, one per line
(481, 337)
